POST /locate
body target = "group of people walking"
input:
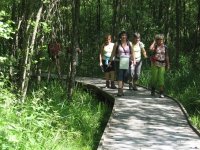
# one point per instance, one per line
(122, 60)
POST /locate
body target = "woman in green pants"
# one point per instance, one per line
(159, 63)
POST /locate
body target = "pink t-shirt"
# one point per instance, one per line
(123, 51)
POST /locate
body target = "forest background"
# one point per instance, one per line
(27, 26)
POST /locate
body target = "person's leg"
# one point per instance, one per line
(107, 79)
(116, 67)
(137, 74)
(161, 78)
(112, 75)
(124, 77)
(154, 74)
(106, 74)
(131, 76)
(120, 83)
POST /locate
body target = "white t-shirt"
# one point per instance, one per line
(107, 50)
(137, 50)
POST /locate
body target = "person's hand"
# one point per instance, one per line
(100, 64)
(109, 64)
(134, 62)
(167, 67)
(145, 56)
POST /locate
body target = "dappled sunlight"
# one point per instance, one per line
(140, 121)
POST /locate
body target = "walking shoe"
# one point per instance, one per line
(153, 91)
(113, 85)
(135, 88)
(161, 94)
(120, 92)
(107, 84)
(130, 86)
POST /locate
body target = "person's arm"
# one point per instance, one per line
(144, 53)
(101, 55)
(113, 52)
(133, 56)
(152, 50)
(152, 47)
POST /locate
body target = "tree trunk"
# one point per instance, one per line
(115, 18)
(28, 58)
(167, 20)
(98, 18)
(20, 38)
(177, 30)
(13, 41)
(75, 45)
(197, 43)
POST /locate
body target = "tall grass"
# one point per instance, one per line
(47, 121)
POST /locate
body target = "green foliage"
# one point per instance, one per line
(46, 28)
(46, 1)
(3, 59)
(5, 26)
(47, 121)
(196, 120)
(184, 84)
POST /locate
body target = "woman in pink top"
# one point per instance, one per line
(123, 55)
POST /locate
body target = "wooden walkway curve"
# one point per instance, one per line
(142, 122)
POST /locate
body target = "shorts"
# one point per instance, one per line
(122, 74)
(110, 68)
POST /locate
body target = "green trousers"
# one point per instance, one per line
(157, 75)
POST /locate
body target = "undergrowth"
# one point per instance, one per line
(48, 121)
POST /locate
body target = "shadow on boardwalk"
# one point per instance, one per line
(142, 122)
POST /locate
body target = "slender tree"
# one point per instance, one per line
(115, 21)
(177, 30)
(29, 55)
(197, 43)
(98, 17)
(75, 46)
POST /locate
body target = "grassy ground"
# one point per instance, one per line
(47, 121)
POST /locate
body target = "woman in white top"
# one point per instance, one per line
(138, 48)
(104, 59)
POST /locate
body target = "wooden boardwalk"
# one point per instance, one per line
(142, 122)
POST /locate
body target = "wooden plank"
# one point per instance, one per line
(142, 122)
